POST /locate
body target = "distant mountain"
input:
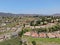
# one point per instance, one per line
(11, 14)
(57, 14)
(6, 14)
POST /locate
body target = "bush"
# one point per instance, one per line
(33, 42)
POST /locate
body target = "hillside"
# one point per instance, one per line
(11, 14)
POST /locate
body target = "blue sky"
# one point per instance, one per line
(30, 6)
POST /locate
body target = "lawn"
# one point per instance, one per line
(13, 41)
(44, 41)
(39, 41)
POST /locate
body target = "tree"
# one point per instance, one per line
(25, 43)
(23, 25)
(31, 23)
(21, 33)
(33, 42)
(8, 44)
(20, 42)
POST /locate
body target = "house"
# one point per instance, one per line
(56, 35)
(2, 29)
(32, 27)
(1, 38)
(8, 28)
(7, 37)
(13, 29)
(14, 34)
(34, 34)
(42, 35)
(50, 35)
(27, 25)
(3, 24)
(27, 34)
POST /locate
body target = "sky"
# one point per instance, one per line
(30, 6)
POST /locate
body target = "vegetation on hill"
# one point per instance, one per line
(22, 21)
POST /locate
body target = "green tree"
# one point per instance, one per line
(21, 33)
(33, 42)
(20, 42)
(8, 44)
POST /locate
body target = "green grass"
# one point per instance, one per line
(13, 41)
(44, 40)
(39, 41)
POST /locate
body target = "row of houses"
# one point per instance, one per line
(8, 29)
(5, 37)
(44, 35)
(8, 35)
(42, 26)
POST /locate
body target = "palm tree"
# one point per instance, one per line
(34, 23)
